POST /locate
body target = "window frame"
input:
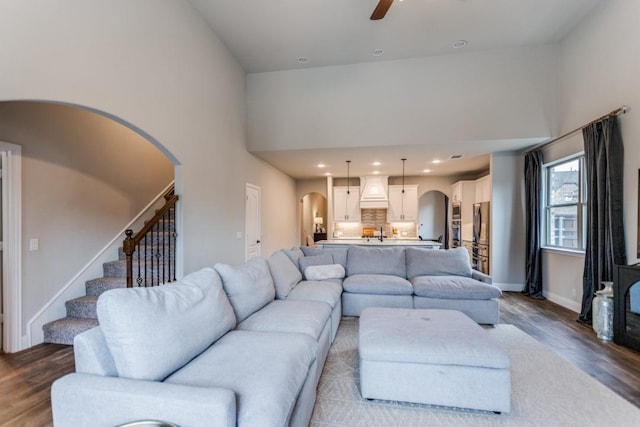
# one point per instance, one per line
(581, 205)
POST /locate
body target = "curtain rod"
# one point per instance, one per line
(622, 110)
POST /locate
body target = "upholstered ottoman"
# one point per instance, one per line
(435, 357)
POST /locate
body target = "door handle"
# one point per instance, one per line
(257, 241)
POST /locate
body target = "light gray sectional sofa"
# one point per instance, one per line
(397, 277)
(246, 345)
(215, 348)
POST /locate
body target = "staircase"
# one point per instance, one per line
(81, 312)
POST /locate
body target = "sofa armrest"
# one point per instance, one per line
(481, 277)
(83, 400)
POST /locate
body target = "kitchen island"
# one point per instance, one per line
(375, 241)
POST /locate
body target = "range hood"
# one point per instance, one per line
(374, 192)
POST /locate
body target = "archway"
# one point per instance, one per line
(78, 167)
(313, 220)
(433, 216)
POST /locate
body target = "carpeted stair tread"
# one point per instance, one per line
(119, 268)
(84, 307)
(62, 331)
(95, 287)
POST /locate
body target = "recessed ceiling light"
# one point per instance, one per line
(459, 44)
(426, 170)
(321, 165)
(436, 161)
(376, 163)
(376, 172)
(377, 52)
(327, 174)
(303, 59)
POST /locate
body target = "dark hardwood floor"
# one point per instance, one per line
(26, 377)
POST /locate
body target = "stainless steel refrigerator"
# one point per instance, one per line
(481, 237)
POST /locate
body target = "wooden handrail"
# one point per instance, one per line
(131, 242)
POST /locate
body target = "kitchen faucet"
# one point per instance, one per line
(381, 236)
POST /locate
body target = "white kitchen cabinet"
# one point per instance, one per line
(403, 207)
(456, 192)
(483, 189)
(346, 207)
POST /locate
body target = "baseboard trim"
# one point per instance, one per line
(510, 287)
(563, 301)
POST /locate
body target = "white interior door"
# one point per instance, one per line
(253, 229)
(11, 272)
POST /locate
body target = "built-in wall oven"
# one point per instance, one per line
(456, 224)
(455, 233)
(456, 211)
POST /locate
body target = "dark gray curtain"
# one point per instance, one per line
(533, 191)
(605, 245)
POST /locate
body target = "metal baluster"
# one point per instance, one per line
(164, 237)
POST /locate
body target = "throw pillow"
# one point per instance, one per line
(284, 273)
(249, 286)
(324, 259)
(324, 272)
(152, 332)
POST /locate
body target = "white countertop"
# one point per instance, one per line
(373, 241)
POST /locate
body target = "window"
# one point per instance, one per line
(565, 207)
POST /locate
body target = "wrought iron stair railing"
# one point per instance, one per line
(150, 253)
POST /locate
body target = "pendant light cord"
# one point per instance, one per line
(403, 160)
(348, 177)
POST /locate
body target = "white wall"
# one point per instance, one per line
(599, 69)
(494, 95)
(158, 67)
(508, 236)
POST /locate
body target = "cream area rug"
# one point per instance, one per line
(546, 390)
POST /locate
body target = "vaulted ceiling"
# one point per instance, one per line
(276, 35)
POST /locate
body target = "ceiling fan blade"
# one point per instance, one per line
(381, 9)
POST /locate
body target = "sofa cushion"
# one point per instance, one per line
(141, 324)
(294, 254)
(438, 262)
(379, 284)
(249, 286)
(323, 259)
(266, 371)
(311, 251)
(324, 272)
(326, 291)
(339, 255)
(284, 273)
(453, 287)
(376, 260)
(302, 317)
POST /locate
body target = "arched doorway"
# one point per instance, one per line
(85, 174)
(433, 216)
(313, 220)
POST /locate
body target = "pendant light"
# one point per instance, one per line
(348, 163)
(403, 160)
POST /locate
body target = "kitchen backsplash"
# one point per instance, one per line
(375, 218)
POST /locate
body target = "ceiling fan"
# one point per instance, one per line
(381, 9)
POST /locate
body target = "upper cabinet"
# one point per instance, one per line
(403, 207)
(346, 207)
(483, 189)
